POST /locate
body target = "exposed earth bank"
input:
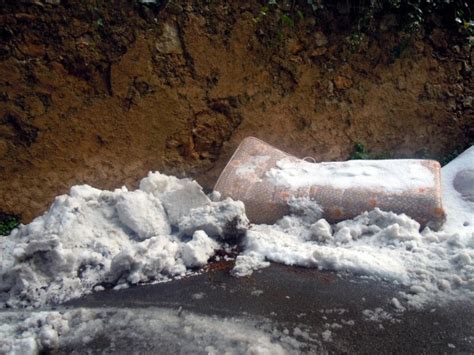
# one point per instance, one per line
(101, 94)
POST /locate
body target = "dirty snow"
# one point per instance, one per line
(149, 330)
(327, 335)
(434, 266)
(378, 244)
(379, 315)
(389, 175)
(94, 238)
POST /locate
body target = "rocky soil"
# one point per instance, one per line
(96, 93)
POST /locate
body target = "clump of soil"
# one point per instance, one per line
(100, 94)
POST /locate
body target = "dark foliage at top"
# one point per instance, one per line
(454, 14)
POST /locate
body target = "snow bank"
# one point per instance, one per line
(141, 331)
(92, 237)
(432, 266)
(457, 181)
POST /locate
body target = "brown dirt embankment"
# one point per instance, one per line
(100, 94)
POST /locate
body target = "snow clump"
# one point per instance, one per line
(96, 237)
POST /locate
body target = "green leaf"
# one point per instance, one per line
(287, 20)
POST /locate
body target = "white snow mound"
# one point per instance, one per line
(93, 237)
(435, 266)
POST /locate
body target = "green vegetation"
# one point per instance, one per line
(361, 152)
(400, 48)
(456, 14)
(286, 20)
(354, 40)
(8, 223)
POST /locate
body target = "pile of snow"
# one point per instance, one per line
(92, 237)
(379, 244)
(168, 226)
(434, 266)
(141, 331)
(458, 194)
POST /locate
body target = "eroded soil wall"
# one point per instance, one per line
(101, 92)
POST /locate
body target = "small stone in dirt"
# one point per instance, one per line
(342, 82)
(466, 68)
(432, 91)
(401, 83)
(294, 46)
(320, 39)
(169, 42)
(3, 147)
(330, 87)
(467, 102)
(452, 105)
(318, 52)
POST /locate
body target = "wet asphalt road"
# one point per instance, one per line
(310, 299)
